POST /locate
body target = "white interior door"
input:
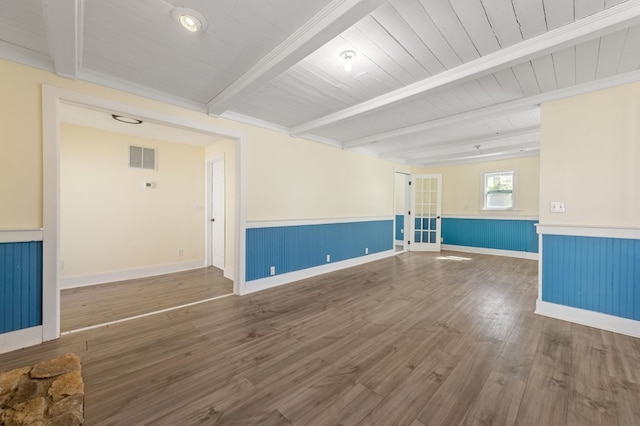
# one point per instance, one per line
(216, 213)
(425, 213)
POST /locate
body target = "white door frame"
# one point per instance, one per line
(407, 204)
(209, 226)
(52, 97)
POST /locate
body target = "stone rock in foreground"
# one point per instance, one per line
(49, 394)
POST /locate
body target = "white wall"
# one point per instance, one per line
(110, 221)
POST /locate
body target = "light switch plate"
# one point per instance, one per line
(557, 207)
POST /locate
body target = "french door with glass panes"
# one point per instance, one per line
(426, 208)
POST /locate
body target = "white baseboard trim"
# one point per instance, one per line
(129, 274)
(494, 252)
(589, 318)
(19, 339)
(278, 280)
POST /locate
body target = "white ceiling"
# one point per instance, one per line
(434, 82)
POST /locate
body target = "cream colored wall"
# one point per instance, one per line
(228, 148)
(288, 178)
(400, 189)
(590, 157)
(462, 187)
(109, 221)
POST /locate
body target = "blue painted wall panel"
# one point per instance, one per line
(399, 227)
(515, 235)
(596, 274)
(20, 285)
(293, 248)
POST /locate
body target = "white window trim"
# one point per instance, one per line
(513, 192)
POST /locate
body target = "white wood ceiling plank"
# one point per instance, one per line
(564, 63)
(477, 91)
(509, 83)
(22, 24)
(298, 85)
(587, 60)
(526, 78)
(391, 20)
(597, 25)
(610, 3)
(610, 54)
(531, 17)
(587, 7)
(449, 25)
(307, 36)
(479, 29)
(414, 13)
(380, 65)
(630, 60)
(394, 50)
(491, 85)
(558, 13)
(501, 15)
(545, 73)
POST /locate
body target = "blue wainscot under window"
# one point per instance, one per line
(20, 285)
(592, 273)
(293, 248)
(499, 234)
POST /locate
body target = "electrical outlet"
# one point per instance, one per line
(442, 239)
(328, 258)
(180, 252)
(402, 231)
(272, 270)
(366, 250)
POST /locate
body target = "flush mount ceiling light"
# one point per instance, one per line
(347, 58)
(190, 19)
(128, 120)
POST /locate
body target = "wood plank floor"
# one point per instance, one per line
(98, 304)
(416, 339)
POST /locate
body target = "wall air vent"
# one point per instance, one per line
(142, 158)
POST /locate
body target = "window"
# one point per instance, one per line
(498, 191)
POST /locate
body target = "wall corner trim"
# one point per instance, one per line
(589, 318)
(19, 339)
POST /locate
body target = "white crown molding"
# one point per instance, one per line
(20, 55)
(522, 104)
(63, 22)
(593, 26)
(137, 89)
(334, 18)
(256, 122)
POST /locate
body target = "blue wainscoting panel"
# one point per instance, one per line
(400, 227)
(20, 285)
(592, 273)
(501, 234)
(293, 248)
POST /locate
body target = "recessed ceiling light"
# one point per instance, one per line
(190, 19)
(347, 58)
(128, 120)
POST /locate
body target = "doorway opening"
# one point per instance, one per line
(54, 100)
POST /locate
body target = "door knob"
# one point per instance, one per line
(213, 220)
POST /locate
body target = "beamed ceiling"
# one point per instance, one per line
(434, 82)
